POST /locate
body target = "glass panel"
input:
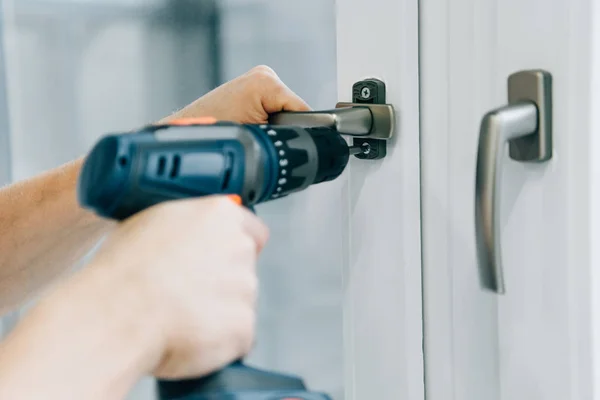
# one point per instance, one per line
(78, 69)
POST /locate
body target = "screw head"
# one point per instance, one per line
(365, 92)
(366, 148)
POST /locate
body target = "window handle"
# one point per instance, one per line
(526, 124)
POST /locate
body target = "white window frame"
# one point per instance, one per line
(383, 336)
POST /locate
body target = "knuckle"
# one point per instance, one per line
(263, 78)
(250, 286)
(245, 289)
(253, 287)
(263, 70)
(246, 330)
(246, 244)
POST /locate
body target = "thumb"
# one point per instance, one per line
(253, 225)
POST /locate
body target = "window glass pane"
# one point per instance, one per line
(80, 68)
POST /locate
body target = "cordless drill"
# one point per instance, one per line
(127, 173)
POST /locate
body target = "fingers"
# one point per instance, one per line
(227, 206)
(254, 227)
(245, 332)
(275, 95)
(289, 101)
(249, 98)
(281, 98)
(252, 224)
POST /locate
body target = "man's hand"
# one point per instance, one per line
(172, 292)
(43, 231)
(249, 99)
(199, 280)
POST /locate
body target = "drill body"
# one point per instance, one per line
(129, 172)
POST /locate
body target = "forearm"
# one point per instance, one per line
(43, 232)
(90, 339)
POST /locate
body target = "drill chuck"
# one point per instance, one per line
(305, 156)
(129, 172)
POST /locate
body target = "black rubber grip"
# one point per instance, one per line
(236, 377)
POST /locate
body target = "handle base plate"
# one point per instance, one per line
(372, 93)
(535, 86)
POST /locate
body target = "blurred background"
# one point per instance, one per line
(72, 70)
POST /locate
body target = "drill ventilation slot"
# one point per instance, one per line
(162, 163)
(175, 166)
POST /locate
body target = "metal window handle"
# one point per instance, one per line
(375, 121)
(526, 124)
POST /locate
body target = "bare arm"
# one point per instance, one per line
(71, 345)
(43, 231)
(183, 311)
